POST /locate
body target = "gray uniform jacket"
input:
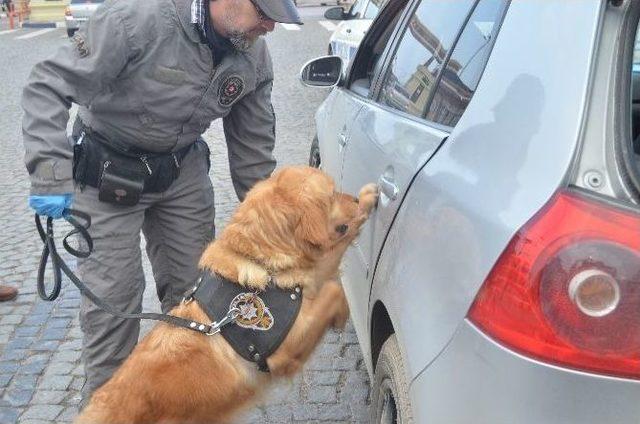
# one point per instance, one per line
(142, 76)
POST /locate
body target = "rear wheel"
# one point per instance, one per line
(390, 397)
(314, 153)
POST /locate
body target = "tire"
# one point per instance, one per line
(71, 32)
(314, 153)
(390, 391)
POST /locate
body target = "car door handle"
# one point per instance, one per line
(342, 140)
(388, 187)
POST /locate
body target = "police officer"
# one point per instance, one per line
(149, 77)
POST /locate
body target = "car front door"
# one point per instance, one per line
(334, 118)
(338, 112)
(393, 136)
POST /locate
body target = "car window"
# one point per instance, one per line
(368, 62)
(429, 36)
(373, 8)
(357, 9)
(468, 60)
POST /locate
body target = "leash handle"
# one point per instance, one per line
(49, 249)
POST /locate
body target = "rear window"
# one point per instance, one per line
(426, 77)
(627, 147)
(429, 35)
(635, 95)
(462, 74)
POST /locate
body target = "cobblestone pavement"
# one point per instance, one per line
(40, 371)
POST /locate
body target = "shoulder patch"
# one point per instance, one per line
(81, 45)
(230, 89)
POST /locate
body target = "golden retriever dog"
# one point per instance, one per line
(293, 227)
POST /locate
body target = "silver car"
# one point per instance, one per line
(78, 12)
(498, 280)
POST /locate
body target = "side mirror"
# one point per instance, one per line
(324, 71)
(335, 13)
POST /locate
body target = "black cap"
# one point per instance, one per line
(283, 11)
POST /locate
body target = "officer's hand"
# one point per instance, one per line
(51, 205)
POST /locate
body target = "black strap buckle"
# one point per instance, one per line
(188, 296)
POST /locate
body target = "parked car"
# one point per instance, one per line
(498, 281)
(78, 12)
(356, 21)
(314, 2)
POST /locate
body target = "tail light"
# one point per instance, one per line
(567, 288)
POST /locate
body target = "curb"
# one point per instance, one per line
(43, 25)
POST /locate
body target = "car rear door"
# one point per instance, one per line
(395, 135)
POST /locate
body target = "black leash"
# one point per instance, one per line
(59, 266)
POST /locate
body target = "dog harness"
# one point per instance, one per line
(263, 320)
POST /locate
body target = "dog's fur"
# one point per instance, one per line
(292, 227)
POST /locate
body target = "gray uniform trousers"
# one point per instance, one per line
(177, 224)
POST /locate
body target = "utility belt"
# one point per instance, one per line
(121, 174)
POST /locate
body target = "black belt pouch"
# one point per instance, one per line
(119, 176)
(120, 184)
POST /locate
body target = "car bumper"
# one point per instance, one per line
(477, 380)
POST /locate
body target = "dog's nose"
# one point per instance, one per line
(342, 228)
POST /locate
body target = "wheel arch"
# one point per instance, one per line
(381, 330)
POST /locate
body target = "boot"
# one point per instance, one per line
(7, 293)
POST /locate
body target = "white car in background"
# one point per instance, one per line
(78, 12)
(314, 2)
(346, 38)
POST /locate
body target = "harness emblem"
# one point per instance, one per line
(254, 314)
(230, 90)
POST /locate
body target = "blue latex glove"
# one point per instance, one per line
(51, 205)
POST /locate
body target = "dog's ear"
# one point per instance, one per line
(313, 222)
(309, 192)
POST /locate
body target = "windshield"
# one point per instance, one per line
(373, 9)
(356, 10)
